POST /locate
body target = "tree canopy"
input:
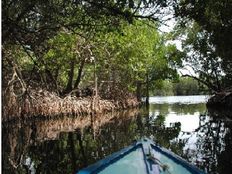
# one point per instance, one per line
(67, 45)
(208, 36)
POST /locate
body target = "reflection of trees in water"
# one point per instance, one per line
(43, 141)
(213, 148)
(81, 146)
(178, 108)
(14, 147)
(163, 135)
(63, 146)
(225, 157)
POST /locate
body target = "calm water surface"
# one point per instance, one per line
(65, 145)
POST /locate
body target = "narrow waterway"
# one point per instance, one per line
(65, 145)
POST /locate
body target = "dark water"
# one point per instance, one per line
(64, 145)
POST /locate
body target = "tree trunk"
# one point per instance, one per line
(80, 70)
(56, 74)
(70, 78)
(205, 82)
(50, 79)
(95, 79)
(147, 91)
(138, 90)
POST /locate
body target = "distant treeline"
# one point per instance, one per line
(184, 86)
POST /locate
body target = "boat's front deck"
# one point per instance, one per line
(143, 157)
(133, 162)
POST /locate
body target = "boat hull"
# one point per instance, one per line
(142, 157)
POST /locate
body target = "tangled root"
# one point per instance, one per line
(44, 103)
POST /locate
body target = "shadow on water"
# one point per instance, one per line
(68, 144)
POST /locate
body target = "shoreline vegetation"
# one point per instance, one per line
(120, 53)
(47, 104)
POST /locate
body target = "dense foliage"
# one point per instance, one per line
(67, 46)
(112, 46)
(184, 86)
(208, 39)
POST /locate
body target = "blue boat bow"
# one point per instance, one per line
(142, 157)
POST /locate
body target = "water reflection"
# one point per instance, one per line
(187, 115)
(192, 99)
(213, 142)
(65, 145)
